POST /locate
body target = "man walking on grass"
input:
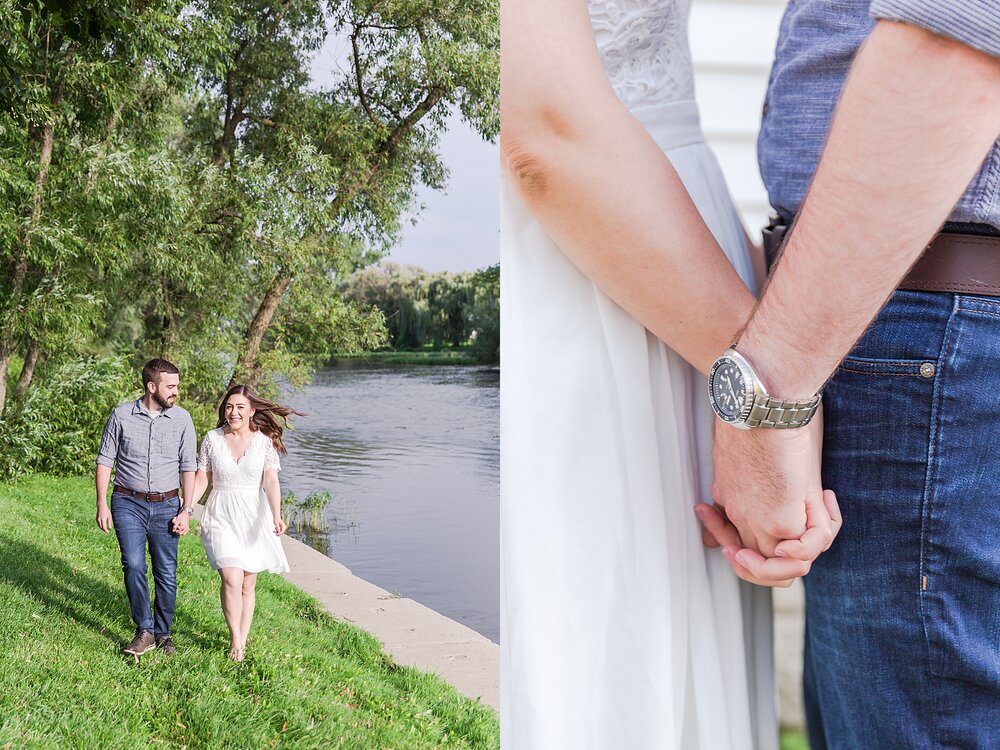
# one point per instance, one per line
(149, 442)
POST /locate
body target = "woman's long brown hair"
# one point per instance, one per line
(266, 415)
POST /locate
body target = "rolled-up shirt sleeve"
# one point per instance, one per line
(108, 451)
(188, 456)
(972, 22)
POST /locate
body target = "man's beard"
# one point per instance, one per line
(165, 403)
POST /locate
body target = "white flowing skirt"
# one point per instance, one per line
(237, 530)
(619, 631)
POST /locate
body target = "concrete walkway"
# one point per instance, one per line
(412, 634)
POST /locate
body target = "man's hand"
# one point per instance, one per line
(180, 523)
(764, 480)
(793, 557)
(104, 522)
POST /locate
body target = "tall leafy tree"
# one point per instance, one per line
(329, 173)
(64, 178)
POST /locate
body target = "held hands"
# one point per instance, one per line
(772, 516)
(181, 523)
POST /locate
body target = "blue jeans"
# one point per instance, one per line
(903, 612)
(137, 523)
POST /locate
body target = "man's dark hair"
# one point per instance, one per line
(152, 370)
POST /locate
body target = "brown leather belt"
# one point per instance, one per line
(149, 497)
(957, 263)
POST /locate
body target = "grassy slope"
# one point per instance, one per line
(308, 682)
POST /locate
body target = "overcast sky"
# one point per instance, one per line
(457, 229)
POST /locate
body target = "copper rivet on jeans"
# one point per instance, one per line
(927, 370)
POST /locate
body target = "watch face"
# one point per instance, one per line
(729, 390)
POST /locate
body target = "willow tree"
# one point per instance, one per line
(327, 173)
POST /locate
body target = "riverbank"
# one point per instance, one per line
(421, 357)
(309, 680)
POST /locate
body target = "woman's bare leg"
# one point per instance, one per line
(231, 594)
(249, 601)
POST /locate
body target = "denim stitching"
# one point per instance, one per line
(899, 362)
(979, 312)
(931, 479)
(882, 373)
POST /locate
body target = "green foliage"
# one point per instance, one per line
(309, 513)
(484, 318)
(57, 428)
(175, 184)
(443, 309)
(309, 681)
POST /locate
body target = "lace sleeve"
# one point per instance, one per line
(204, 459)
(271, 457)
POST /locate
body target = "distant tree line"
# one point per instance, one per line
(437, 310)
(174, 184)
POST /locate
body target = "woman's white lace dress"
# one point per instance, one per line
(619, 630)
(237, 528)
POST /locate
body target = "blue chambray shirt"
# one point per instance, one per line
(817, 42)
(148, 452)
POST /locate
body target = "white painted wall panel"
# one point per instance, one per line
(732, 45)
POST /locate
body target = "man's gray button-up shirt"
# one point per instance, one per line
(148, 452)
(816, 46)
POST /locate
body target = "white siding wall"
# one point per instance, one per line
(732, 44)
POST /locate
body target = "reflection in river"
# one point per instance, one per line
(411, 456)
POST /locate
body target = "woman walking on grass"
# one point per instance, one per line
(242, 521)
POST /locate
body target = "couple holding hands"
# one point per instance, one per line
(151, 442)
(627, 278)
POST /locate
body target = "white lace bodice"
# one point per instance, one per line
(216, 457)
(644, 47)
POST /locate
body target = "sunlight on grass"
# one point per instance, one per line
(308, 681)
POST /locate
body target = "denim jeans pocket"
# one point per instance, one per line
(960, 576)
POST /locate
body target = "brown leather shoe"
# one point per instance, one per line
(166, 644)
(143, 642)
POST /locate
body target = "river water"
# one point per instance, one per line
(411, 457)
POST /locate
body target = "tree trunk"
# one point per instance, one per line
(171, 334)
(28, 371)
(247, 367)
(6, 352)
(7, 342)
(170, 331)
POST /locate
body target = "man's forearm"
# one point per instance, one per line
(187, 488)
(917, 116)
(102, 477)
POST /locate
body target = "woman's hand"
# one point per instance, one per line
(793, 557)
(279, 526)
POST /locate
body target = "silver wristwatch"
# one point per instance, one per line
(739, 398)
(189, 510)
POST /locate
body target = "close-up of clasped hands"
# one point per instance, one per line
(500, 374)
(689, 419)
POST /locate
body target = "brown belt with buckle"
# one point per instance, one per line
(149, 497)
(957, 263)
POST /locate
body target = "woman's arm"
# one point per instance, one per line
(273, 491)
(201, 481)
(603, 189)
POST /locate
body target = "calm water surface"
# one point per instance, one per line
(411, 456)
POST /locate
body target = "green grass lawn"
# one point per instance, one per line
(793, 740)
(308, 681)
